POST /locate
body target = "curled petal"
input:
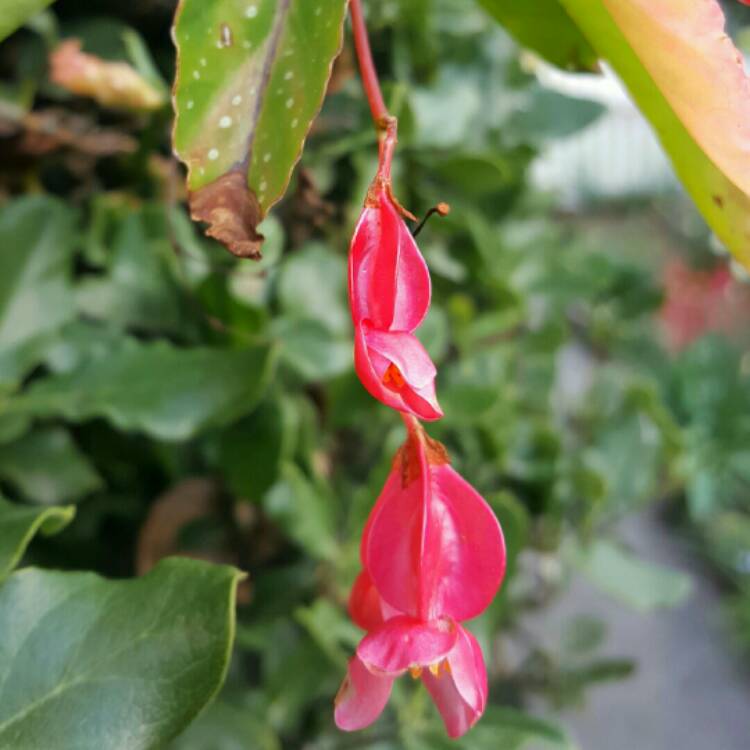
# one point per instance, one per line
(432, 545)
(361, 697)
(396, 369)
(459, 689)
(389, 283)
(365, 603)
(406, 642)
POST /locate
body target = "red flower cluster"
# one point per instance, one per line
(433, 553)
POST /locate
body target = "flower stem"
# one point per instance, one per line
(385, 123)
(370, 81)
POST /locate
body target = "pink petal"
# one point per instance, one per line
(406, 352)
(361, 697)
(389, 283)
(460, 693)
(405, 642)
(434, 548)
(465, 545)
(364, 603)
(371, 366)
(392, 540)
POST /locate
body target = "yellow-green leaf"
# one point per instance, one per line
(687, 77)
(543, 26)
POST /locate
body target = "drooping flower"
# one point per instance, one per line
(441, 652)
(433, 554)
(389, 294)
(432, 544)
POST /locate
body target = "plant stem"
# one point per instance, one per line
(370, 82)
(385, 123)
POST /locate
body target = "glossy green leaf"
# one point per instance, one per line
(545, 27)
(157, 388)
(251, 77)
(92, 664)
(639, 584)
(699, 106)
(36, 298)
(47, 467)
(14, 13)
(18, 526)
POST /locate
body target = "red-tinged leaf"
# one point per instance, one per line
(687, 77)
(251, 77)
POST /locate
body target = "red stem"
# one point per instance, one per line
(367, 67)
(385, 123)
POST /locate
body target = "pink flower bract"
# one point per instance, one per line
(389, 294)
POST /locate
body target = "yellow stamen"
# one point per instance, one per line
(393, 376)
(435, 669)
(415, 672)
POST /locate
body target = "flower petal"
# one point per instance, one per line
(433, 546)
(405, 642)
(406, 352)
(361, 697)
(464, 547)
(460, 692)
(371, 367)
(388, 278)
(365, 603)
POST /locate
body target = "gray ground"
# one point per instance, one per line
(690, 691)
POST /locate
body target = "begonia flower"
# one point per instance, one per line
(389, 294)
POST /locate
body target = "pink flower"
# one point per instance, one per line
(389, 294)
(432, 545)
(445, 655)
(433, 554)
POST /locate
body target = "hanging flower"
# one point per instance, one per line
(389, 294)
(446, 657)
(433, 555)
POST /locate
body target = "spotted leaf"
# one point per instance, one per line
(251, 77)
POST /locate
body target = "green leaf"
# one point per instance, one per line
(310, 348)
(302, 511)
(504, 728)
(639, 584)
(47, 467)
(14, 13)
(156, 388)
(251, 77)
(702, 127)
(225, 726)
(92, 664)
(139, 290)
(18, 526)
(312, 285)
(36, 245)
(545, 27)
(251, 452)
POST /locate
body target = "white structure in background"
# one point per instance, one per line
(616, 156)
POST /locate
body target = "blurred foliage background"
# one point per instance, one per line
(590, 339)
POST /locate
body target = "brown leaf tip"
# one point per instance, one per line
(232, 212)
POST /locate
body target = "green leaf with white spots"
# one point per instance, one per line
(251, 76)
